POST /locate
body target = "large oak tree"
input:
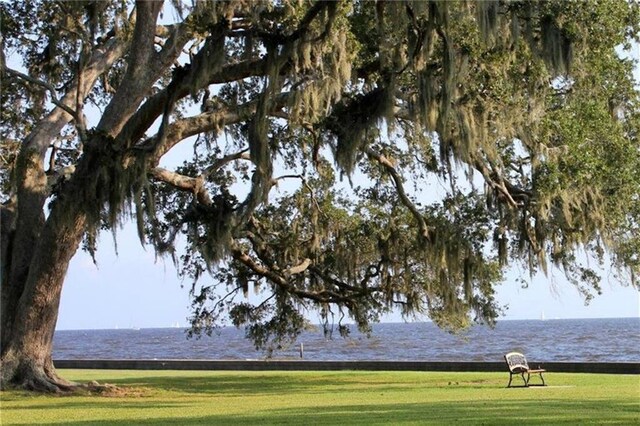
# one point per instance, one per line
(344, 157)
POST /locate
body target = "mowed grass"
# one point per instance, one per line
(335, 398)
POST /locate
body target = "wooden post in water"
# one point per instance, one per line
(301, 350)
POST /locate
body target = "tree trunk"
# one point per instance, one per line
(26, 358)
(39, 252)
(23, 219)
(22, 233)
(8, 301)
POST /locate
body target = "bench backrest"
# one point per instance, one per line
(516, 362)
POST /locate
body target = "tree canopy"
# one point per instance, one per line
(349, 158)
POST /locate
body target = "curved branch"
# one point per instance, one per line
(505, 188)
(242, 155)
(298, 269)
(49, 127)
(323, 296)
(44, 84)
(184, 183)
(177, 36)
(397, 180)
(140, 74)
(195, 184)
(304, 181)
(205, 122)
(182, 85)
(333, 281)
(191, 126)
(175, 179)
(149, 111)
(242, 30)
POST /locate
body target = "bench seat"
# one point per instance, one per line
(517, 364)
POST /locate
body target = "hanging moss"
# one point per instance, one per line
(210, 228)
(108, 186)
(447, 89)
(352, 122)
(487, 17)
(557, 47)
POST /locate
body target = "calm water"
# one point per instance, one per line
(587, 340)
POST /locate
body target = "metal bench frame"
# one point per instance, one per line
(518, 365)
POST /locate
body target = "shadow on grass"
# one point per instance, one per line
(476, 412)
(177, 399)
(100, 403)
(241, 385)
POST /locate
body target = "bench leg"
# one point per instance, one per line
(541, 378)
(511, 378)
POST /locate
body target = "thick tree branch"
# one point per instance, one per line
(298, 269)
(140, 75)
(397, 180)
(177, 180)
(259, 269)
(191, 126)
(101, 59)
(32, 189)
(182, 84)
(202, 123)
(195, 185)
(177, 36)
(243, 29)
(336, 282)
(148, 112)
(184, 183)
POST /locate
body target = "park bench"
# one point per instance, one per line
(518, 365)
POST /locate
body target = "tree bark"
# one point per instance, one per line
(142, 70)
(28, 223)
(39, 251)
(26, 359)
(8, 299)
(22, 221)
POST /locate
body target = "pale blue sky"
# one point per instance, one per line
(135, 290)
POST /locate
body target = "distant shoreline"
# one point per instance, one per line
(351, 324)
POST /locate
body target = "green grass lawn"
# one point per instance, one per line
(336, 398)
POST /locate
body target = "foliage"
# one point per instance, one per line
(347, 158)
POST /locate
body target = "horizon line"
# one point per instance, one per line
(350, 324)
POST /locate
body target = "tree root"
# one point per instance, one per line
(43, 384)
(39, 381)
(26, 374)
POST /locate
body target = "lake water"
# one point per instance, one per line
(579, 340)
